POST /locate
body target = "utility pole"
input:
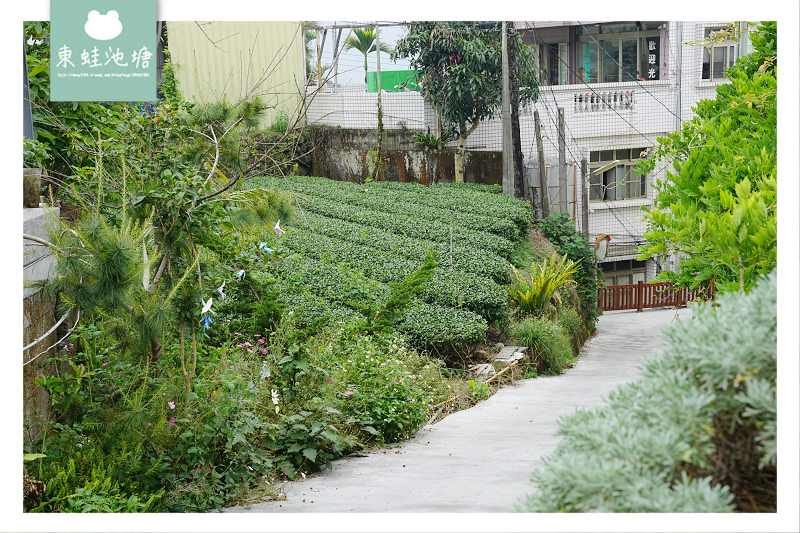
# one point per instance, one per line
(519, 178)
(508, 162)
(562, 164)
(545, 196)
(336, 60)
(378, 164)
(319, 63)
(584, 198)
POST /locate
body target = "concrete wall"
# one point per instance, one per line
(38, 317)
(347, 154)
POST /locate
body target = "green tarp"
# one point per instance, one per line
(391, 80)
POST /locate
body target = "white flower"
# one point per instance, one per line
(275, 397)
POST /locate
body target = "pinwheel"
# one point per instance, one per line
(240, 275)
(207, 305)
(278, 229)
(220, 290)
(264, 247)
(206, 321)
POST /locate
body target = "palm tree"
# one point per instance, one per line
(364, 42)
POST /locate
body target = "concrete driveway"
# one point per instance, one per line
(480, 460)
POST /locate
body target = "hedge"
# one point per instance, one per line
(326, 288)
(467, 258)
(409, 225)
(451, 288)
(403, 203)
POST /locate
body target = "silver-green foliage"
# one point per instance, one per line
(700, 414)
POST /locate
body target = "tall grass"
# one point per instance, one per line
(548, 343)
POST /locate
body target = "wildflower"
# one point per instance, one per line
(261, 341)
(149, 423)
(275, 397)
(172, 421)
(171, 405)
(348, 393)
(264, 351)
(247, 343)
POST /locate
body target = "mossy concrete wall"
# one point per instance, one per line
(349, 155)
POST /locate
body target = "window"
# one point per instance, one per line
(718, 58)
(553, 58)
(627, 272)
(618, 52)
(612, 175)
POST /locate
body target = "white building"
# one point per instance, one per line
(621, 86)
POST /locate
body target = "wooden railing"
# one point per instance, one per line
(648, 295)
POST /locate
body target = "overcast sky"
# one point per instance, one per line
(351, 62)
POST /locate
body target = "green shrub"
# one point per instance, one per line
(382, 388)
(560, 231)
(464, 258)
(569, 319)
(409, 226)
(532, 296)
(427, 326)
(695, 433)
(449, 288)
(547, 343)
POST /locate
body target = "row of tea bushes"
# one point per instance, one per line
(315, 289)
(451, 288)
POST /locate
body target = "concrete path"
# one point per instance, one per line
(480, 460)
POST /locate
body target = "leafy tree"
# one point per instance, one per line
(160, 196)
(459, 66)
(364, 41)
(718, 208)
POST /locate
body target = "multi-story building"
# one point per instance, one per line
(619, 86)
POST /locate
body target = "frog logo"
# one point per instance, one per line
(103, 27)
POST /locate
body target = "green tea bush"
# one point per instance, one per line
(695, 433)
(409, 225)
(464, 258)
(426, 325)
(465, 196)
(548, 343)
(450, 288)
(369, 198)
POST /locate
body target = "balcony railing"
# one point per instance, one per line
(594, 101)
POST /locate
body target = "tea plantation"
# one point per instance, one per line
(348, 242)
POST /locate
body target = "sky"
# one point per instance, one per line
(351, 62)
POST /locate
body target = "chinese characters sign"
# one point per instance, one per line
(103, 50)
(653, 58)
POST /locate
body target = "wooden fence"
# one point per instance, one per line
(648, 295)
